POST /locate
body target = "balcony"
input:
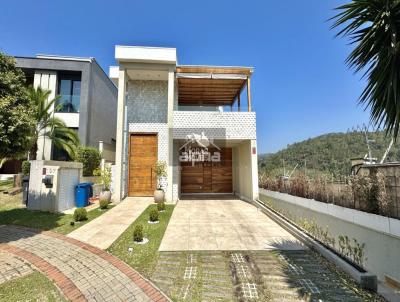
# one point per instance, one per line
(218, 125)
(213, 88)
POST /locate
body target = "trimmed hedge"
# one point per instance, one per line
(138, 233)
(90, 158)
(26, 167)
(153, 215)
(80, 214)
(161, 206)
(103, 204)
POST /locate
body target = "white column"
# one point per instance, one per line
(254, 168)
(171, 88)
(46, 80)
(119, 148)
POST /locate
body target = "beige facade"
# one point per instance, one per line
(152, 101)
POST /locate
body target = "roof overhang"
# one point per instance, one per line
(143, 54)
(210, 85)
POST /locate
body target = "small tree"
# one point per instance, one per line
(138, 233)
(160, 170)
(90, 158)
(16, 112)
(105, 176)
(48, 126)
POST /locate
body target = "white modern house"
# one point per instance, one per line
(184, 116)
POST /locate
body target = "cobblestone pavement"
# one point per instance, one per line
(81, 271)
(12, 267)
(254, 276)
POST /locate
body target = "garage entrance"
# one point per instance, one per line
(208, 177)
(142, 158)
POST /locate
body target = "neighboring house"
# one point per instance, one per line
(170, 112)
(88, 99)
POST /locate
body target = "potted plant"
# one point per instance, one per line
(160, 170)
(105, 176)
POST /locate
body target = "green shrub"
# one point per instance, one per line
(103, 204)
(138, 233)
(105, 176)
(26, 167)
(161, 206)
(154, 215)
(90, 158)
(80, 214)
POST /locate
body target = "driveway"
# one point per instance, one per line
(224, 224)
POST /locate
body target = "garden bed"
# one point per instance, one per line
(13, 212)
(143, 258)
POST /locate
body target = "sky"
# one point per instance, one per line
(301, 86)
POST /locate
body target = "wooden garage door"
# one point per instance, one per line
(142, 158)
(208, 177)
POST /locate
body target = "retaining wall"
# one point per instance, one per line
(381, 235)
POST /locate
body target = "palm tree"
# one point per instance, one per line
(373, 27)
(48, 126)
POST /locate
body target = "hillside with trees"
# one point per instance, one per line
(327, 154)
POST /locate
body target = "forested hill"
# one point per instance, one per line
(329, 153)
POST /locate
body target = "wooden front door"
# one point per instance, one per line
(208, 177)
(142, 158)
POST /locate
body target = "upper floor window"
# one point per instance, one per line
(69, 89)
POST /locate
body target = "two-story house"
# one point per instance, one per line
(183, 115)
(87, 103)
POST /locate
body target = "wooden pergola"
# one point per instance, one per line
(212, 85)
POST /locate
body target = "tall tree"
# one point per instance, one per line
(48, 126)
(373, 27)
(16, 118)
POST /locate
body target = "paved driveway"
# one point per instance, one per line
(224, 224)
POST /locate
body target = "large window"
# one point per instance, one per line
(69, 89)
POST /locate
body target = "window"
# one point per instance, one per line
(69, 89)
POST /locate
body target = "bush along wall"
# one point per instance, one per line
(366, 193)
(90, 158)
(348, 248)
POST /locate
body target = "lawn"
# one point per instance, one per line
(144, 257)
(12, 211)
(6, 184)
(34, 287)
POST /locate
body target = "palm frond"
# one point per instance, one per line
(373, 27)
(63, 137)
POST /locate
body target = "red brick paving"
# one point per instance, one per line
(66, 285)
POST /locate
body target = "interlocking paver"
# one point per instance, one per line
(256, 276)
(88, 272)
(12, 267)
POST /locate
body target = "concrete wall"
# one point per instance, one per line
(244, 172)
(102, 120)
(381, 235)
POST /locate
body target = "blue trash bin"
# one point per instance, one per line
(82, 194)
